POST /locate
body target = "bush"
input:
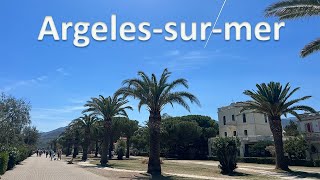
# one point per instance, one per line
(259, 149)
(296, 147)
(299, 162)
(226, 150)
(317, 163)
(258, 160)
(121, 146)
(13, 156)
(4, 158)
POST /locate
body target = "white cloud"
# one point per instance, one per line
(62, 71)
(29, 82)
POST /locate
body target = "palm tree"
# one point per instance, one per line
(273, 100)
(107, 108)
(87, 123)
(292, 9)
(155, 95)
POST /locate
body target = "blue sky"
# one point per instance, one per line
(57, 78)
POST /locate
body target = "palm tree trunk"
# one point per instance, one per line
(105, 143)
(85, 152)
(110, 148)
(276, 129)
(76, 145)
(96, 149)
(154, 166)
(85, 147)
(128, 148)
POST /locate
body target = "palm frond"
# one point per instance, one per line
(310, 48)
(290, 9)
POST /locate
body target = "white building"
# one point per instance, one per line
(309, 126)
(247, 126)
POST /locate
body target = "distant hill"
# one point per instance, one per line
(286, 121)
(46, 137)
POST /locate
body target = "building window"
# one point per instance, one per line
(233, 118)
(234, 133)
(225, 134)
(246, 132)
(309, 127)
(244, 118)
(265, 118)
(224, 120)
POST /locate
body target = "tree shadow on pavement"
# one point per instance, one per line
(302, 174)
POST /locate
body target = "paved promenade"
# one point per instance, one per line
(41, 168)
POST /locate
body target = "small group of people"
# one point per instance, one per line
(50, 153)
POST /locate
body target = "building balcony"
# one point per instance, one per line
(313, 137)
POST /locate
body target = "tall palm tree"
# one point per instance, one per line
(272, 99)
(155, 95)
(107, 108)
(87, 123)
(292, 9)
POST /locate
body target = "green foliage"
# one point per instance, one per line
(14, 117)
(226, 149)
(140, 141)
(291, 129)
(259, 149)
(4, 158)
(121, 146)
(187, 137)
(258, 160)
(13, 157)
(296, 147)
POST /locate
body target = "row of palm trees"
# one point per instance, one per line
(151, 92)
(271, 99)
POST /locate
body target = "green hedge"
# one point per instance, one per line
(260, 160)
(4, 158)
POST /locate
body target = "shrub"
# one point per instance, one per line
(317, 163)
(258, 160)
(4, 158)
(259, 149)
(226, 150)
(121, 146)
(13, 157)
(296, 147)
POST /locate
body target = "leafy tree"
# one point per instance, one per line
(129, 127)
(14, 116)
(107, 108)
(293, 9)
(226, 149)
(140, 140)
(155, 94)
(291, 129)
(179, 137)
(259, 149)
(296, 147)
(30, 135)
(272, 99)
(86, 123)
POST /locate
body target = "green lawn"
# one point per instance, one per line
(180, 168)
